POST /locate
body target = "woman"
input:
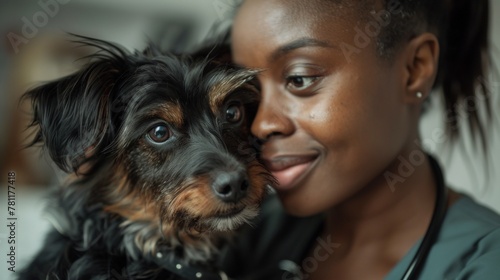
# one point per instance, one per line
(343, 86)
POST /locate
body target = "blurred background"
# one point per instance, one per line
(34, 50)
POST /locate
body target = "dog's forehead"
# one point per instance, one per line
(172, 91)
(225, 84)
(169, 111)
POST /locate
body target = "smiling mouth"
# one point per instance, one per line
(289, 170)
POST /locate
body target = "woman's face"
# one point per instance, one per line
(332, 121)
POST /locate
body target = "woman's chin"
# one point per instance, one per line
(296, 205)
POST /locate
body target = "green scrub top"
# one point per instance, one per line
(468, 246)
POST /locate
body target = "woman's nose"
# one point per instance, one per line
(272, 116)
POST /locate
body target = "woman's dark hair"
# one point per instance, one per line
(462, 29)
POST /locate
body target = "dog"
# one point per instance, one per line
(166, 165)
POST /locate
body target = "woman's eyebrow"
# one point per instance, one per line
(299, 43)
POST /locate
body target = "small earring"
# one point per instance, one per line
(419, 94)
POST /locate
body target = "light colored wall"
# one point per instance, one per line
(465, 167)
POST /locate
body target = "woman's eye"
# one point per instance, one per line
(234, 113)
(159, 133)
(300, 82)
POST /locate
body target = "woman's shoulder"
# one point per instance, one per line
(467, 210)
(467, 247)
(474, 230)
(469, 222)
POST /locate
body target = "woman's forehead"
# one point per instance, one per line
(273, 24)
(281, 19)
(295, 10)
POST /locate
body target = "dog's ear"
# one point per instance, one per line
(73, 114)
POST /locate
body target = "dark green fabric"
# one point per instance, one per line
(468, 246)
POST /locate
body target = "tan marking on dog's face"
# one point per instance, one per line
(226, 86)
(195, 200)
(137, 206)
(196, 203)
(170, 112)
(260, 180)
(186, 211)
(129, 201)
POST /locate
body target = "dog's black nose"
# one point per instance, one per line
(230, 186)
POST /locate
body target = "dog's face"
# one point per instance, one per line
(184, 147)
(167, 139)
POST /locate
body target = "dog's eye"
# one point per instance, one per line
(234, 113)
(159, 133)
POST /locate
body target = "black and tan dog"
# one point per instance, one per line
(172, 171)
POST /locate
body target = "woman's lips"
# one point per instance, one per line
(288, 170)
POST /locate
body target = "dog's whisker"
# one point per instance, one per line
(233, 222)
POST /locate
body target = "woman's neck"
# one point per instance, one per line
(394, 209)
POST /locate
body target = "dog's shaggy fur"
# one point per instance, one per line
(166, 168)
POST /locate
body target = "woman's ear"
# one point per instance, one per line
(422, 55)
